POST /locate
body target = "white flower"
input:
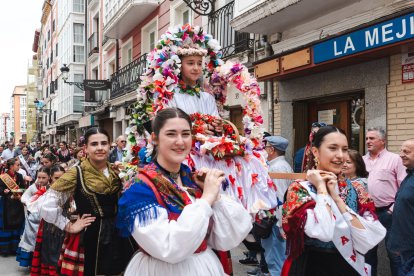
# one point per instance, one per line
(214, 44)
(158, 76)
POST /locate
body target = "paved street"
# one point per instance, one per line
(9, 266)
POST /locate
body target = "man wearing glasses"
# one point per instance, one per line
(118, 153)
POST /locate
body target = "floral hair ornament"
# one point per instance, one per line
(161, 80)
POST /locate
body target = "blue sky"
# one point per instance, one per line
(18, 21)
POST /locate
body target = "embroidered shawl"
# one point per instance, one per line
(138, 198)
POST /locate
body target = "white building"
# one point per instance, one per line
(71, 40)
(4, 127)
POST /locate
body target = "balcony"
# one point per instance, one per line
(127, 78)
(274, 16)
(128, 15)
(93, 47)
(232, 42)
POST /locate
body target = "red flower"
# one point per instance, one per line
(232, 180)
(254, 178)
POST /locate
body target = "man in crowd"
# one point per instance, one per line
(275, 246)
(118, 152)
(386, 172)
(401, 237)
(18, 150)
(8, 153)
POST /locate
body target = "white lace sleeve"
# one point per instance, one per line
(52, 208)
(27, 195)
(231, 224)
(320, 223)
(173, 241)
(365, 239)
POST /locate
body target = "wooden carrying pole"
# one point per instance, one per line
(276, 175)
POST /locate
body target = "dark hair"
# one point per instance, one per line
(56, 168)
(322, 132)
(95, 130)
(165, 114)
(11, 162)
(43, 169)
(76, 151)
(162, 117)
(360, 168)
(51, 157)
(64, 143)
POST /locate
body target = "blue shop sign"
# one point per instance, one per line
(385, 33)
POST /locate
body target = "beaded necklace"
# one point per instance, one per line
(188, 89)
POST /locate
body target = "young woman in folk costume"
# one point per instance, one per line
(92, 245)
(28, 240)
(28, 163)
(175, 217)
(49, 237)
(173, 79)
(11, 209)
(329, 223)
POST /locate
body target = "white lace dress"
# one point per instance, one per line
(226, 222)
(247, 176)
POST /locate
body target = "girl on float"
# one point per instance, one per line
(329, 223)
(172, 79)
(177, 217)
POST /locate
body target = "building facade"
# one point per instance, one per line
(18, 113)
(121, 33)
(346, 63)
(32, 94)
(4, 127)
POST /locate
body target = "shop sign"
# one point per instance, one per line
(382, 34)
(327, 116)
(87, 121)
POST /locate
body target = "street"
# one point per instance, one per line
(9, 266)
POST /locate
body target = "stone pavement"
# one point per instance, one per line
(9, 266)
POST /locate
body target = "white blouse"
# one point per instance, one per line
(320, 224)
(170, 245)
(50, 207)
(206, 104)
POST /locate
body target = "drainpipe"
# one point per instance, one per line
(269, 90)
(117, 56)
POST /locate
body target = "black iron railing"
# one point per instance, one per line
(219, 26)
(127, 78)
(93, 44)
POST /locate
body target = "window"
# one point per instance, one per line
(77, 78)
(54, 116)
(127, 53)
(180, 14)
(53, 26)
(56, 51)
(79, 6)
(78, 33)
(149, 36)
(186, 17)
(78, 53)
(78, 104)
(48, 35)
(152, 40)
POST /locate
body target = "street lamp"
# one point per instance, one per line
(65, 75)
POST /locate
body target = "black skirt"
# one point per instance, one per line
(321, 262)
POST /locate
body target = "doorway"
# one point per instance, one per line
(345, 111)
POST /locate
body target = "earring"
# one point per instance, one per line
(316, 160)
